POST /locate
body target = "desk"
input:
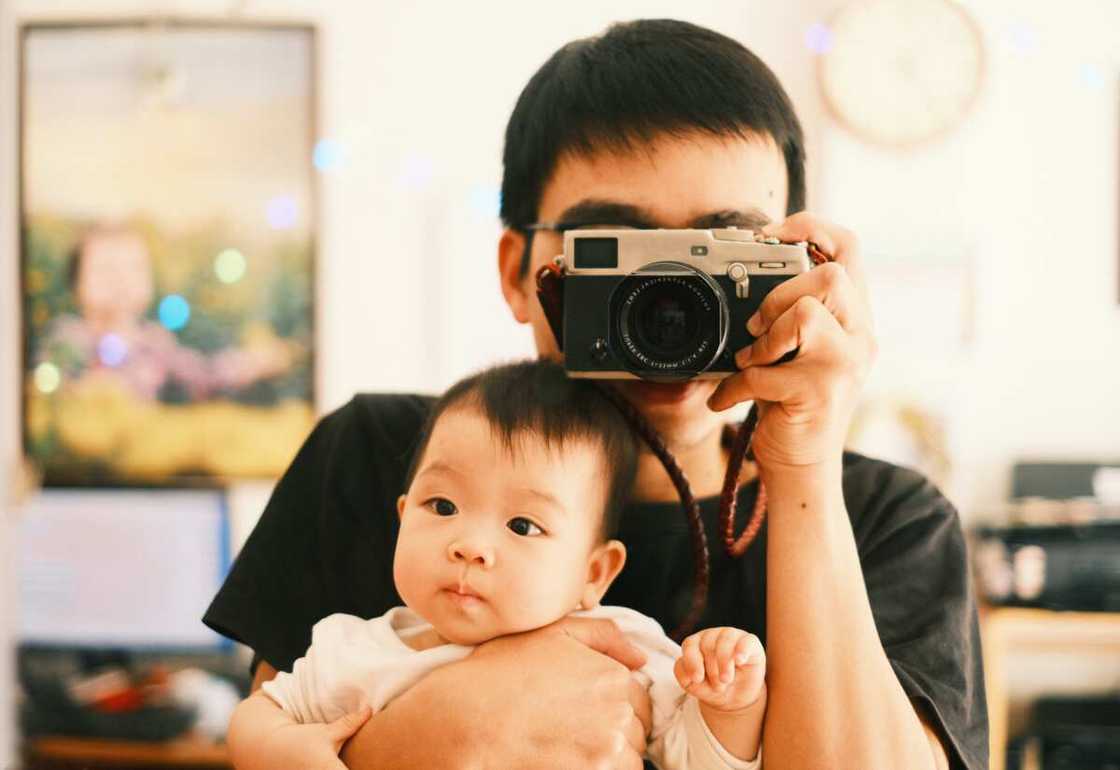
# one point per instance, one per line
(59, 753)
(1004, 629)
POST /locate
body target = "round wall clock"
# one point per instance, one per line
(902, 72)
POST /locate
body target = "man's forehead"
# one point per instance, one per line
(697, 181)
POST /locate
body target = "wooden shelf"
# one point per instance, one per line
(1004, 629)
(179, 754)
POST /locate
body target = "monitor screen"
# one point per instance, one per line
(132, 569)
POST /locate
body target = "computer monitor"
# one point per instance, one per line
(131, 569)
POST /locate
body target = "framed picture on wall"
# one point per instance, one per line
(167, 215)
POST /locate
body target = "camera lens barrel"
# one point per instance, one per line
(670, 320)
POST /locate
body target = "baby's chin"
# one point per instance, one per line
(471, 634)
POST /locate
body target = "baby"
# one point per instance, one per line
(514, 493)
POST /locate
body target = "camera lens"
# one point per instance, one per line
(667, 320)
(670, 320)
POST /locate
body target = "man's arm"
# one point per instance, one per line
(936, 747)
(833, 693)
(265, 673)
(561, 696)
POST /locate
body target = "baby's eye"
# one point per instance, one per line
(523, 526)
(442, 506)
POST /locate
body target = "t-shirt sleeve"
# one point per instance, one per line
(915, 566)
(324, 543)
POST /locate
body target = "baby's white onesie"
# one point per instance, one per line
(353, 661)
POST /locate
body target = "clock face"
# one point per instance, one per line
(900, 72)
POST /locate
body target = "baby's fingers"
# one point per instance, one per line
(726, 647)
(709, 646)
(749, 650)
(691, 662)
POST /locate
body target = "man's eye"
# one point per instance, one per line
(442, 506)
(523, 526)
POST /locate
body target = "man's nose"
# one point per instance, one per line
(471, 551)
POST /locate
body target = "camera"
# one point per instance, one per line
(666, 305)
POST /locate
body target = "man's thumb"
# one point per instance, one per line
(604, 636)
(345, 726)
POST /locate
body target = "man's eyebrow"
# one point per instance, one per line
(599, 211)
(750, 219)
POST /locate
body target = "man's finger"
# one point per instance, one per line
(829, 283)
(797, 328)
(838, 243)
(756, 383)
(639, 701)
(603, 636)
(343, 728)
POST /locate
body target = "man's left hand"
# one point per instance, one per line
(805, 405)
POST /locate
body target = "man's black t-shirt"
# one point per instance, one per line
(326, 539)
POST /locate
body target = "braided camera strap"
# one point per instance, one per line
(550, 288)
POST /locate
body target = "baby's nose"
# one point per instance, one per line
(471, 552)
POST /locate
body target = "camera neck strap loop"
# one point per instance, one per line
(550, 291)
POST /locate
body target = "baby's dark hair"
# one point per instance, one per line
(540, 398)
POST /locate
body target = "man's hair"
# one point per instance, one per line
(537, 398)
(634, 83)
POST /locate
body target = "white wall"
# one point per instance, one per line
(1025, 194)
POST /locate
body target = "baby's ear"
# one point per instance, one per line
(400, 506)
(606, 562)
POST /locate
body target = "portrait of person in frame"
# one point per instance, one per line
(167, 216)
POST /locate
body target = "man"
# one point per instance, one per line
(857, 584)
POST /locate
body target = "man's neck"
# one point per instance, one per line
(704, 464)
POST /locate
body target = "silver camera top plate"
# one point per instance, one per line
(718, 251)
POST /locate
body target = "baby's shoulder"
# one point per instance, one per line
(343, 629)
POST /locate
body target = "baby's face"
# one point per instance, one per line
(494, 542)
(114, 281)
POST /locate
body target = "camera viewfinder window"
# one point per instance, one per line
(596, 253)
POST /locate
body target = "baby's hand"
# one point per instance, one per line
(724, 668)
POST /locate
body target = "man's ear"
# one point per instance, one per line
(606, 562)
(516, 289)
(400, 506)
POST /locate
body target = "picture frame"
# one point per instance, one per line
(167, 206)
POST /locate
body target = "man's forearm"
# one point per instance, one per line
(414, 730)
(833, 697)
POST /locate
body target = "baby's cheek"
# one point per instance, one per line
(555, 593)
(406, 573)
